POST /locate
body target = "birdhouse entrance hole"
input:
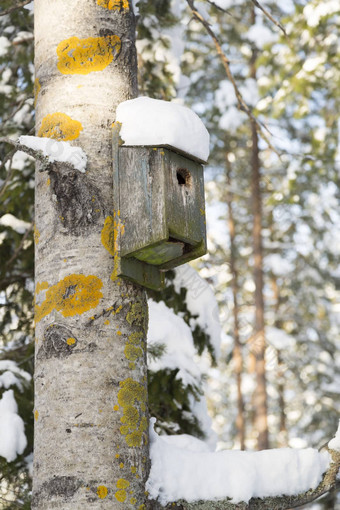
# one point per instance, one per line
(184, 177)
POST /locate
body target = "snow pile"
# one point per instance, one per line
(12, 435)
(12, 375)
(334, 444)
(20, 226)
(184, 470)
(200, 301)
(147, 121)
(57, 151)
(168, 329)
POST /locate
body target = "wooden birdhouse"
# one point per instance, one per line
(159, 193)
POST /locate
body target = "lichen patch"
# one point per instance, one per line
(111, 231)
(132, 399)
(102, 491)
(73, 295)
(37, 88)
(84, 56)
(114, 5)
(60, 126)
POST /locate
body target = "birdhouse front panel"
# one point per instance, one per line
(161, 205)
(141, 199)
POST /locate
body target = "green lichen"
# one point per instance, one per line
(132, 399)
(137, 315)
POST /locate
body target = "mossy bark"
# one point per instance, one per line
(91, 446)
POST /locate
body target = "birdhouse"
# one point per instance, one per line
(158, 188)
(159, 194)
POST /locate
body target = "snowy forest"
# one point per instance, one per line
(243, 342)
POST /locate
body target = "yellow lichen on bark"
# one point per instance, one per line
(115, 5)
(102, 491)
(36, 235)
(84, 56)
(109, 237)
(41, 286)
(134, 347)
(60, 126)
(73, 295)
(134, 425)
(36, 90)
(121, 494)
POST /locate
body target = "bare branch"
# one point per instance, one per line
(15, 7)
(219, 7)
(15, 110)
(8, 157)
(269, 16)
(20, 247)
(226, 64)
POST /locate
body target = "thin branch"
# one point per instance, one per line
(219, 7)
(8, 156)
(15, 110)
(20, 247)
(269, 16)
(226, 64)
(15, 7)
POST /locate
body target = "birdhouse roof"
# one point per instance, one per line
(155, 123)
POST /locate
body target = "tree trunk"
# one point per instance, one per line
(283, 433)
(259, 342)
(237, 351)
(91, 421)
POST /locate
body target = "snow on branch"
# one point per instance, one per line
(275, 479)
(48, 151)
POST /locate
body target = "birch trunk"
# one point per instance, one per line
(90, 375)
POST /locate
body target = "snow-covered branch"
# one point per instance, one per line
(182, 470)
(282, 502)
(48, 151)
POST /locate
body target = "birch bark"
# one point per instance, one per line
(91, 446)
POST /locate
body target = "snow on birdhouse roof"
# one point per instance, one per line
(151, 122)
